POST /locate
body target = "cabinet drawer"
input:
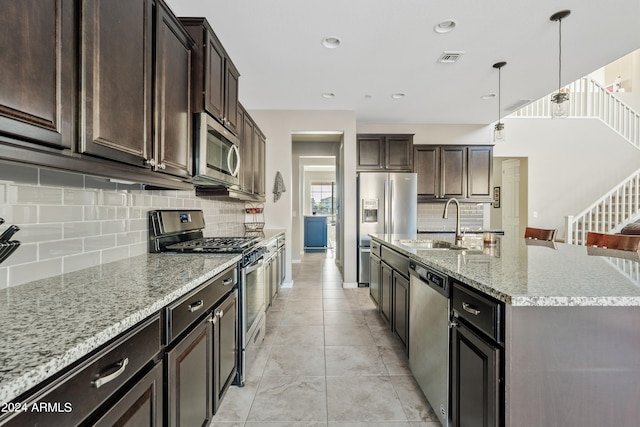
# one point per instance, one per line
(87, 387)
(399, 262)
(187, 310)
(479, 310)
(375, 248)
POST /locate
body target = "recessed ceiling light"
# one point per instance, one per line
(331, 42)
(445, 26)
(398, 95)
(328, 95)
(488, 96)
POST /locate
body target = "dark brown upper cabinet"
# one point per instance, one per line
(215, 78)
(173, 142)
(446, 171)
(116, 80)
(37, 44)
(384, 152)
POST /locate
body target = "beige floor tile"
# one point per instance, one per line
(333, 304)
(304, 317)
(415, 405)
(299, 335)
(346, 361)
(237, 402)
(353, 318)
(296, 361)
(370, 398)
(347, 335)
(283, 398)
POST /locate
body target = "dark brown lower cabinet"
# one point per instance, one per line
(225, 346)
(141, 406)
(401, 308)
(386, 287)
(190, 378)
(475, 379)
(374, 279)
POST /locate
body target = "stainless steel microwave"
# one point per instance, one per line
(217, 157)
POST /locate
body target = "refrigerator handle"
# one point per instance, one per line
(386, 208)
(391, 187)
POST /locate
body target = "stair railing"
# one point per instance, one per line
(588, 98)
(609, 213)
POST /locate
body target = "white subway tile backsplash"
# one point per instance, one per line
(59, 249)
(81, 229)
(31, 233)
(112, 227)
(72, 221)
(25, 253)
(80, 261)
(60, 213)
(22, 214)
(99, 242)
(24, 273)
(25, 194)
(80, 197)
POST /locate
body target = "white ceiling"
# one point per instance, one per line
(390, 46)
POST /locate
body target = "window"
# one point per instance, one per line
(323, 198)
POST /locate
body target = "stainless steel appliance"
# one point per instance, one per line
(388, 204)
(429, 314)
(181, 231)
(217, 156)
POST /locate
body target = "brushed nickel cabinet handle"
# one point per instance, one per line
(227, 282)
(470, 309)
(122, 365)
(195, 306)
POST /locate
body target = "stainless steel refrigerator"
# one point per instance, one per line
(387, 204)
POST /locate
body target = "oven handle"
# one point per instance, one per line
(254, 266)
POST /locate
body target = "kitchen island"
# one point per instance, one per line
(571, 349)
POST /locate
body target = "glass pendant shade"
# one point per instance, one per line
(499, 133)
(559, 105)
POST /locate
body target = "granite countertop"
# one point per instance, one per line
(48, 324)
(522, 272)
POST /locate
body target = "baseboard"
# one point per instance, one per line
(349, 285)
(287, 284)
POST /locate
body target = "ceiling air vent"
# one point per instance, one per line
(450, 57)
(517, 105)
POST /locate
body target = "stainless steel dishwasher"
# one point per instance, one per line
(429, 314)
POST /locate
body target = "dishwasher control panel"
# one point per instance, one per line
(435, 279)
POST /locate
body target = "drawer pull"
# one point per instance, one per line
(227, 282)
(122, 365)
(470, 309)
(195, 306)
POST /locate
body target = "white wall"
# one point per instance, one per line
(277, 126)
(571, 162)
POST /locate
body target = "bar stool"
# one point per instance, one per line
(540, 234)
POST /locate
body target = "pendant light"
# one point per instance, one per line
(560, 100)
(498, 130)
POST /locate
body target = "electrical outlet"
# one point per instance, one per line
(535, 214)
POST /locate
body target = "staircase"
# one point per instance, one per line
(621, 205)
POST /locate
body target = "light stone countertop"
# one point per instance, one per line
(532, 273)
(48, 324)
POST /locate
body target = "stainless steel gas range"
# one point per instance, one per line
(181, 231)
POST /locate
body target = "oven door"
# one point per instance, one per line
(217, 153)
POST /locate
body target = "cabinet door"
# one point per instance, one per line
(426, 163)
(214, 74)
(259, 163)
(36, 99)
(173, 139)
(401, 308)
(374, 279)
(190, 378)
(370, 152)
(116, 80)
(399, 152)
(479, 172)
(474, 380)
(225, 346)
(453, 171)
(386, 289)
(231, 95)
(246, 152)
(141, 406)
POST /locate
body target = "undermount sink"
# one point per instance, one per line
(430, 244)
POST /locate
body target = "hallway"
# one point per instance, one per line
(328, 359)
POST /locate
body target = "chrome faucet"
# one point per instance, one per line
(444, 216)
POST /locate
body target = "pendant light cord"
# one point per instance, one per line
(499, 91)
(559, 54)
